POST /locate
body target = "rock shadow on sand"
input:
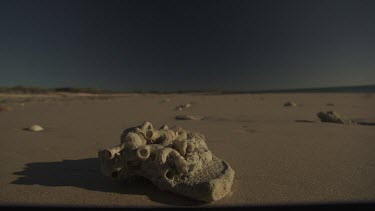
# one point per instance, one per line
(85, 173)
(305, 121)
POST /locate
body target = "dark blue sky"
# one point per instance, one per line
(187, 45)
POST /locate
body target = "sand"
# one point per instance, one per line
(281, 155)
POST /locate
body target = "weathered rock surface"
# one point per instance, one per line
(175, 160)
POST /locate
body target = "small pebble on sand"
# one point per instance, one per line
(333, 117)
(35, 128)
(166, 100)
(184, 106)
(290, 104)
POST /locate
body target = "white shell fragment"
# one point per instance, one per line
(173, 159)
(36, 128)
(184, 106)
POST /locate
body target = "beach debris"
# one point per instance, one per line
(188, 117)
(290, 104)
(166, 100)
(35, 128)
(6, 108)
(183, 106)
(173, 159)
(333, 117)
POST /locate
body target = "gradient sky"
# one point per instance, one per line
(187, 45)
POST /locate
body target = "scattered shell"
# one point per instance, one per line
(184, 106)
(188, 117)
(290, 104)
(36, 128)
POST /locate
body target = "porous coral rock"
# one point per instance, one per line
(175, 160)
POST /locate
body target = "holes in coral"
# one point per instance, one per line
(160, 139)
(143, 152)
(169, 175)
(190, 147)
(171, 162)
(114, 174)
(107, 154)
(152, 157)
(149, 134)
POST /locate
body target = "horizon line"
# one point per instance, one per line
(35, 89)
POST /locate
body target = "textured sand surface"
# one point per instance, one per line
(281, 155)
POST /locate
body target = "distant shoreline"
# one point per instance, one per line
(339, 89)
(39, 90)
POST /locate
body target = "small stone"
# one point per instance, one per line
(166, 100)
(290, 104)
(333, 117)
(184, 106)
(36, 128)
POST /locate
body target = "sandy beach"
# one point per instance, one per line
(281, 155)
